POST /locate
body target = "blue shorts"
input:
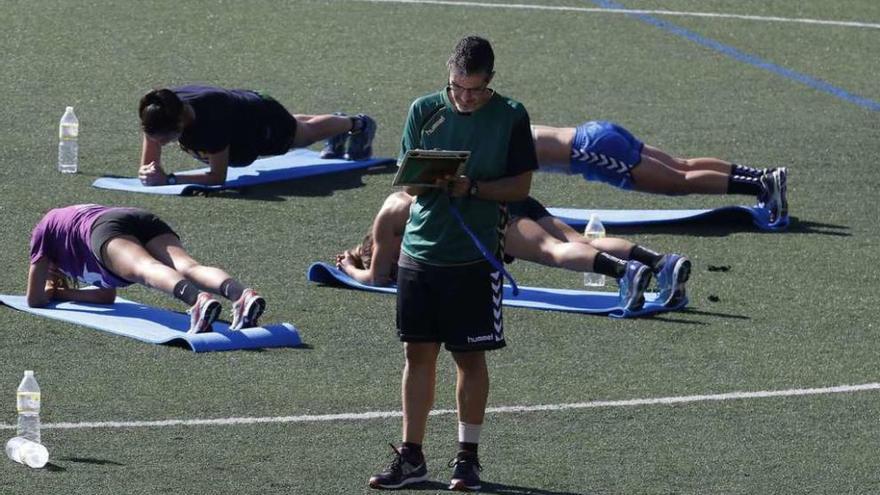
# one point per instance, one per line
(605, 152)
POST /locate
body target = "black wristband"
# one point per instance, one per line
(171, 179)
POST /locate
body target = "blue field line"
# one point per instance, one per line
(746, 58)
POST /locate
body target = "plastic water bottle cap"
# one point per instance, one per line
(29, 373)
(68, 109)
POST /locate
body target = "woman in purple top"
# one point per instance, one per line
(233, 127)
(115, 247)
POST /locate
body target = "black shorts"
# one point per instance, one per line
(528, 208)
(459, 305)
(140, 224)
(280, 128)
(272, 134)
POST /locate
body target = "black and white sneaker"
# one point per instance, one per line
(466, 473)
(782, 174)
(400, 472)
(773, 194)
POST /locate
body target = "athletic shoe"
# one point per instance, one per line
(335, 146)
(400, 472)
(466, 475)
(247, 310)
(360, 143)
(203, 313)
(633, 284)
(782, 173)
(671, 278)
(773, 189)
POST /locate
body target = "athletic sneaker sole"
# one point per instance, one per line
(408, 481)
(681, 273)
(252, 314)
(461, 486)
(783, 187)
(209, 315)
(644, 279)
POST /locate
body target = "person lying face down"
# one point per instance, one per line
(233, 127)
(532, 234)
(606, 152)
(110, 247)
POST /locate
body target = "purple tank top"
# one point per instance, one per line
(63, 238)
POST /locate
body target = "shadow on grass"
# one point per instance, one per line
(732, 224)
(715, 314)
(314, 186)
(669, 317)
(495, 488)
(501, 489)
(91, 460)
(303, 347)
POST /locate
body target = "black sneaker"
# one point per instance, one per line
(400, 472)
(466, 475)
(335, 146)
(360, 143)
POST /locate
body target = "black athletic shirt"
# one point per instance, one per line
(241, 119)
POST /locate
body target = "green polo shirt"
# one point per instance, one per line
(499, 137)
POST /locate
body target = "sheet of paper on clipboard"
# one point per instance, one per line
(423, 167)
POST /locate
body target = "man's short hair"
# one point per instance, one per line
(472, 55)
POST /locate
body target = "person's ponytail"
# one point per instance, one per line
(160, 112)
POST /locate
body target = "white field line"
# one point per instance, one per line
(562, 8)
(365, 416)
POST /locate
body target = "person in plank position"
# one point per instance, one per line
(606, 152)
(109, 247)
(233, 127)
(532, 234)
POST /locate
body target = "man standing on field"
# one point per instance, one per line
(448, 293)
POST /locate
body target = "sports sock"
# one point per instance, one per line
(468, 436)
(412, 452)
(186, 292)
(740, 184)
(644, 255)
(746, 171)
(606, 264)
(470, 448)
(231, 289)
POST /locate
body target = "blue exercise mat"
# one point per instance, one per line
(572, 301)
(760, 217)
(159, 326)
(295, 164)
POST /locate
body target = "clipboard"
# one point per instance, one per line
(423, 167)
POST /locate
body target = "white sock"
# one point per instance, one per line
(468, 433)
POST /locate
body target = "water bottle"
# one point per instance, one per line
(594, 230)
(68, 148)
(24, 451)
(28, 400)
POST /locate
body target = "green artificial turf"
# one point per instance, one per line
(794, 309)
